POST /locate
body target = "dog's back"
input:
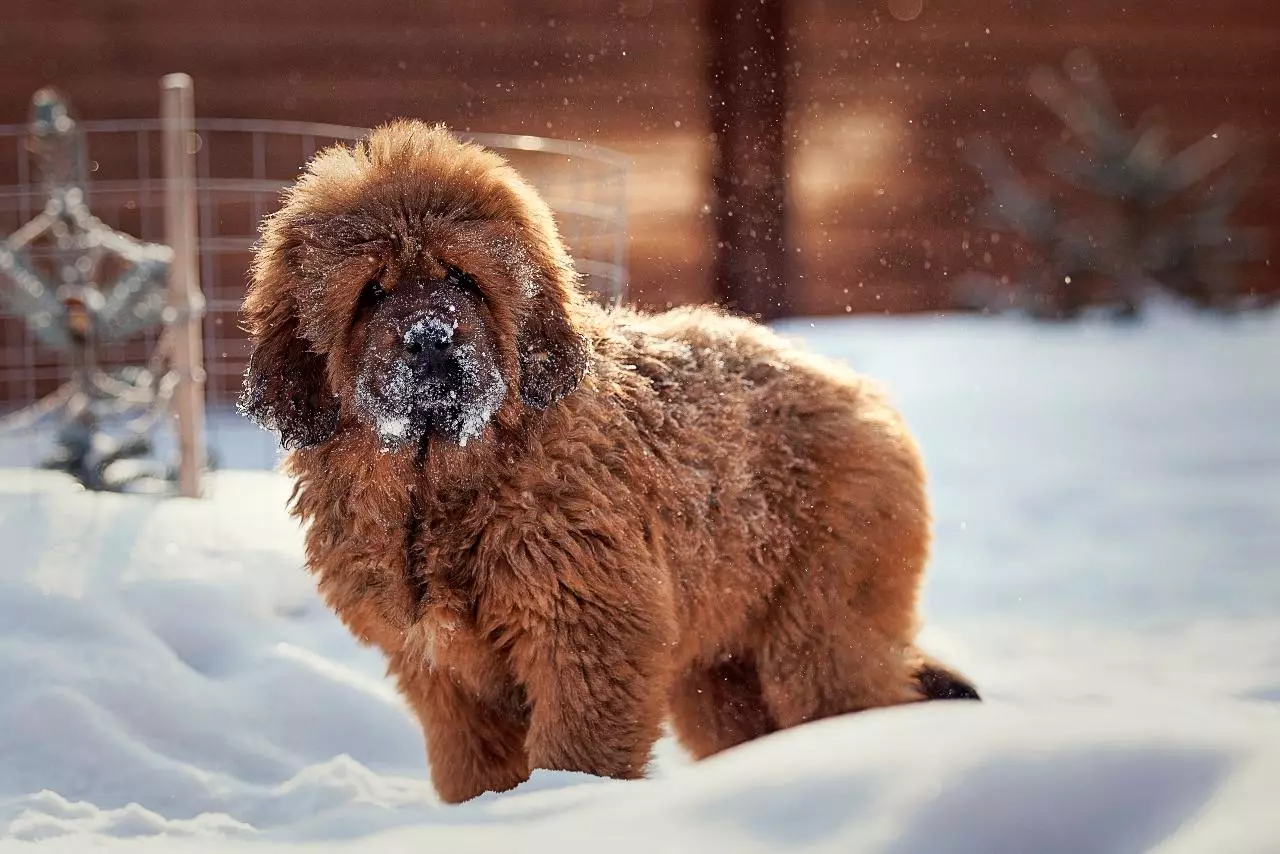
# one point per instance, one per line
(786, 475)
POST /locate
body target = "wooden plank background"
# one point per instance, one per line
(882, 201)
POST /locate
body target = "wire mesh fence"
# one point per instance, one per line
(242, 165)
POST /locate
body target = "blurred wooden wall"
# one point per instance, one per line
(884, 108)
(881, 198)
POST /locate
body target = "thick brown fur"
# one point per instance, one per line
(676, 516)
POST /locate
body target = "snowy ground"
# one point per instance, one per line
(1107, 570)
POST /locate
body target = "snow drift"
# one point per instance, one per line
(1108, 525)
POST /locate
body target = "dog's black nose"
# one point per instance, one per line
(430, 337)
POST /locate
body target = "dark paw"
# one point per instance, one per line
(938, 683)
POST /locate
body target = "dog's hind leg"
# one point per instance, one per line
(840, 632)
(719, 706)
(808, 673)
(815, 662)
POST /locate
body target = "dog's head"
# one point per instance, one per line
(414, 286)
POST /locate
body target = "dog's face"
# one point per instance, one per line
(427, 361)
(414, 287)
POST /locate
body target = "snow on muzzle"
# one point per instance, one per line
(443, 380)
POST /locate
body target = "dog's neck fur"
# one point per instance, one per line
(411, 517)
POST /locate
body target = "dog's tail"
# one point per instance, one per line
(938, 682)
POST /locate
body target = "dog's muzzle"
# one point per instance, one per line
(430, 346)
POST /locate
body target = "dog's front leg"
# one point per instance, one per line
(595, 676)
(475, 744)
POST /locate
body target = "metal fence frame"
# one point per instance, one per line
(584, 184)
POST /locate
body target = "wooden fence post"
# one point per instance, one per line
(177, 113)
(746, 78)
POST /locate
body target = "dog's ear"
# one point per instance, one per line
(553, 355)
(285, 388)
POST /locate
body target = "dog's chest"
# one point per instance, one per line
(441, 560)
(448, 643)
(437, 637)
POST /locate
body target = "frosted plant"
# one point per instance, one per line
(1128, 216)
(80, 285)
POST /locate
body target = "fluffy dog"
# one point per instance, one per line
(564, 524)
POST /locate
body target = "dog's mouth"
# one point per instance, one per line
(424, 447)
(413, 427)
(407, 409)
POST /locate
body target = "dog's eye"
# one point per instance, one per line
(373, 293)
(456, 277)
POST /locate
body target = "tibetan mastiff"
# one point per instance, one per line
(563, 524)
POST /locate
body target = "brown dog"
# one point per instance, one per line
(564, 524)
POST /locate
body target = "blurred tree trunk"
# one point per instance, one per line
(746, 44)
